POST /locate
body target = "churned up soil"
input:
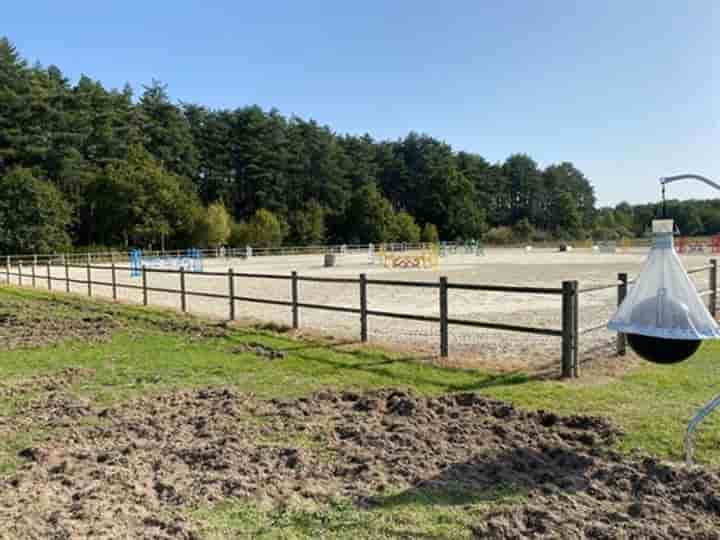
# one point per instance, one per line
(36, 331)
(135, 469)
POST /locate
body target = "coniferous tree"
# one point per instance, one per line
(138, 172)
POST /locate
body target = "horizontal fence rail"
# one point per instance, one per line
(569, 294)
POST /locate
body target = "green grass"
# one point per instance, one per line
(151, 351)
(441, 515)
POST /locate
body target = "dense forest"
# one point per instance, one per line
(82, 166)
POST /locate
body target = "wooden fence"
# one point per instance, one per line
(569, 293)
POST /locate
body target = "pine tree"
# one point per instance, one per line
(167, 133)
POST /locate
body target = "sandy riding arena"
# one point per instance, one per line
(516, 267)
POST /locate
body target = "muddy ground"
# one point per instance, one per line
(133, 470)
(18, 331)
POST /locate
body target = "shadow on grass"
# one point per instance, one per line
(341, 356)
(380, 365)
(505, 477)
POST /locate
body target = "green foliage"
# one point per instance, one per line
(138, 201)
(215, 227)
(264, 229)
(523, 230)
(34, 217)
(404, 228)
(308, 224)
(371, 215)
(430, 234)
(464, 218)
(499, 236)
(85, 139)
(569, 219)
(166, 131)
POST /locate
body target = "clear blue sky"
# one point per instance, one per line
(627, 90)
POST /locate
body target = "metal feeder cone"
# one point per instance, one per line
(663, 316)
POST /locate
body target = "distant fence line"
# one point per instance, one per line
(217, 252)
(117, 256)
(569, 292)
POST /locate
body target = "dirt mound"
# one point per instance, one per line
(137, 467)
(36, 331)
(640, 501)
(43, 401)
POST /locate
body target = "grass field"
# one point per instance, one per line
(148, 351)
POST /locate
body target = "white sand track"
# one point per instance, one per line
(539, 268)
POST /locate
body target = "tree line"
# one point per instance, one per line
(82, 166)
(692, 218)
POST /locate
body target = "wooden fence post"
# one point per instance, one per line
(444, 348)
(363, 308)
(114, 281)
(144, 286)
(67, 275)
(295, 310)
(89, 279)
(713, 287)
(183, 300)
(621, 294)
(231, 293)
(7, 269)
(33, 273)
(20, 273)
(567, 329)
(576, 329)
(49, 276)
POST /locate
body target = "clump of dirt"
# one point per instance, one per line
(137, 469)
(194, 330)
(18, 331)
(260, 350)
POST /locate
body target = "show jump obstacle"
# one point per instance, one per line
(424, 258)
(471, 247)
(685, 245)
(192, 261)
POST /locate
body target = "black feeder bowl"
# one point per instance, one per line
(662, 350)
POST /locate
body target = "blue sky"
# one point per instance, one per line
(627, 90)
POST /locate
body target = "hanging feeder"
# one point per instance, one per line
(663, 316)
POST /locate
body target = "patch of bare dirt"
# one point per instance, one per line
(47, 383)
(614, 500)
(38, 331)
(44, 402)
(137, 469)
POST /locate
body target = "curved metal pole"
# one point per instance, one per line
(715, 403)
(690, 434)
(667, 179)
